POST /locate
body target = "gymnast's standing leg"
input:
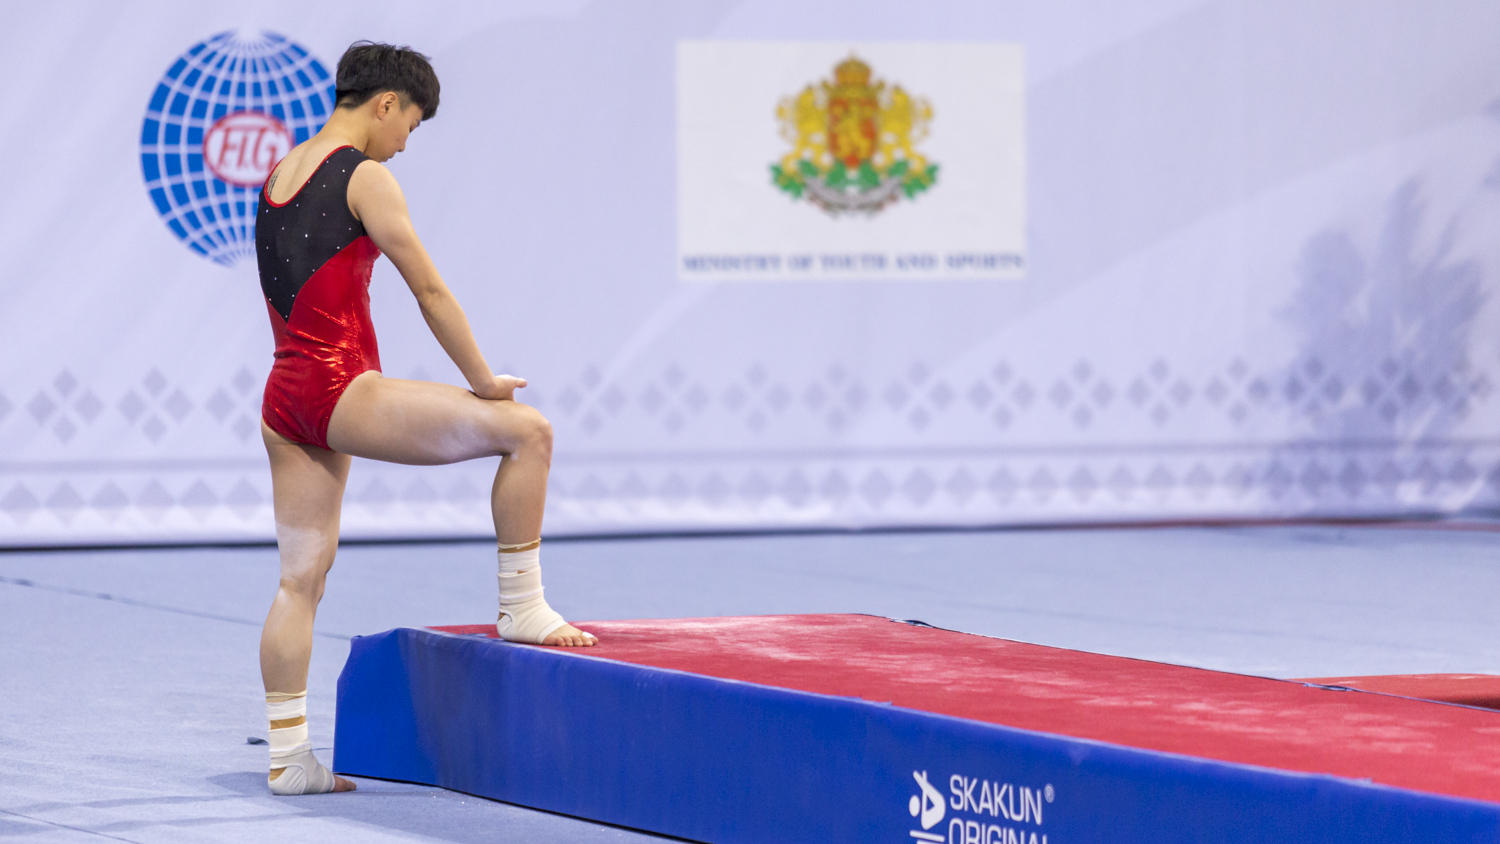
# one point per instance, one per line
(307, 490)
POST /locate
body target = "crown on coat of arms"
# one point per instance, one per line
(852, 71)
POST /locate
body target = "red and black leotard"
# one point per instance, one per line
(315, 262)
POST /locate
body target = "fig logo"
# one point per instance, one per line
(241, 148)
(929, 805)
(226, 110)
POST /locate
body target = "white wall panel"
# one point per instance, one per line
(1261, 267)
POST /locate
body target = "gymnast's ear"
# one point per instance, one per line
(389, 104)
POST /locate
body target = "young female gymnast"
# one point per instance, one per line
(326, 213)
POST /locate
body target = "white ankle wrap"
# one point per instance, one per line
(285, 707)
(301, 773)
(287, 741)
(524, 614)
(291, 751)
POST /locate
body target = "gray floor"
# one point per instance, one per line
(131, 685)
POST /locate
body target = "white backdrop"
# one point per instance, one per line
(1260, 241)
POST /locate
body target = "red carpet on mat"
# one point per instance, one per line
(1251, 720)
(1467, 689)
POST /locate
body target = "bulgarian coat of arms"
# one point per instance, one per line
(853, 143)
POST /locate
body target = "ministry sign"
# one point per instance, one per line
(849, 160)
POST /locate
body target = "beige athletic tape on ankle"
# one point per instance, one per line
(524, 614)
(281, 706)
(287, 741)
(514, 562)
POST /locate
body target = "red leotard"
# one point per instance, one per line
(315, 262)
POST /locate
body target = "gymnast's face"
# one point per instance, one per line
(392, 125)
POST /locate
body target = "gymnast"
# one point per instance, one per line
(327, 212)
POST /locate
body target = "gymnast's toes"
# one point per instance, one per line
(568, 636)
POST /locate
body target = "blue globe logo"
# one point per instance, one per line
(225, 112)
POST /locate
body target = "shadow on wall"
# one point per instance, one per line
(1382, 377)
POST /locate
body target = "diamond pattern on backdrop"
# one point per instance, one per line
(62, 406)
(989, 445)
(1030, 483)
(64, 489)
(1081, 398)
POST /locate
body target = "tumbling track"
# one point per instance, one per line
(857, 728)
(1283, 602)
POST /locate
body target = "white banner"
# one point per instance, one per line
(849, 160)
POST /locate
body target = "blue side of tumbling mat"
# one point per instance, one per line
(723, 761)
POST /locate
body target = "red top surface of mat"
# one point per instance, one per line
(1467, 689)
(1251, 720)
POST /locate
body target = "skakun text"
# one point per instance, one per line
(998, 800)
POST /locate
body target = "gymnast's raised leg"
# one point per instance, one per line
(423, 423)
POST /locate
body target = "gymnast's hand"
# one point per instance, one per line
(500, 388)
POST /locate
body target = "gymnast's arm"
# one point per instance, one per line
(377, 201)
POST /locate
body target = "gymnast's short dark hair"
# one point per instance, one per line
(368, 69)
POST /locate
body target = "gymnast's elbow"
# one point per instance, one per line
(432, 295)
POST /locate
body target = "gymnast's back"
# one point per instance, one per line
(315, 261)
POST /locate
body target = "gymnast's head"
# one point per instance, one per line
(391, 90)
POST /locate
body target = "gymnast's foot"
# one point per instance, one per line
(294, 768)
(339, 783)
(568, 636)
